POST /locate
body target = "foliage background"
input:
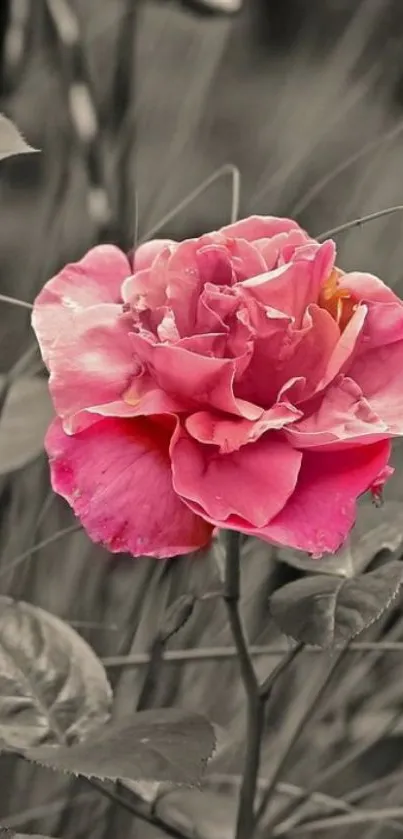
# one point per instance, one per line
(288, 92)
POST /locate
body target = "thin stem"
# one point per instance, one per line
(153, 667)
(255, 706)
(347, 819)
(82, 110)
(268, 684)
(13, 301)
(320, 185)
(137, 808)
(123, 122)
(73, 528)
(294, 737)
(335, 805)
(292, 814)
(227, 169)
(223, 653)
(373, 787)
(358, 221)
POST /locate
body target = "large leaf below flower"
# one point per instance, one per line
(329, 611)
(53, 688)
(166, 744)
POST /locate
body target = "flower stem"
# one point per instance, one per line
(255, 704)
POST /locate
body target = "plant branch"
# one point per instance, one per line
(153, 667)
(256, 695)
(268, 684)
(381, 816)
(123, 123)
(358, 221)
(294, 736)
(254, 704)
(292, 814)
(138, 808)
(223, 653)
(227, 169)
(13, 301)
(355, 157)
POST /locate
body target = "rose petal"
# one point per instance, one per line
(379, 373)
(230, 434)
(294, 285)
(146, 289)
(145, 254)
(259, 227)
(116, 476)
(198, 380)
(308, 352)
(383, 325)
(346, 348)
(339, 418)
(378, 485)
(97, 278)
(215, 308)
(282, 353)
(246, 259)
(368, 288)
(253, 483)
(272, 249)
(322, 510)
(81, 334)
(384, 320)
(88, 353)
(142, 399)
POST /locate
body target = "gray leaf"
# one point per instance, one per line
(25, 418)
(53, 688)
(11, 141)
(329, 611)
(166, 744)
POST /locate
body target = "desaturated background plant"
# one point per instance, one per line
(311, 120)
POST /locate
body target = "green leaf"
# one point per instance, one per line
(53, 688)
(329, 611)
(376, 529)
(11, 141)
(23, 423)
(177, 615)
(166, 744)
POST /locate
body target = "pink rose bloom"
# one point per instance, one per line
(239, 380)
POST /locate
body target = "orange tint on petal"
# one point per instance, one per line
(339, 302)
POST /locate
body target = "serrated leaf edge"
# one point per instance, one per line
(334, 646)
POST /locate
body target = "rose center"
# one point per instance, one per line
(339, 302)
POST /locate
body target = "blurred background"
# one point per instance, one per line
(134, 105)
